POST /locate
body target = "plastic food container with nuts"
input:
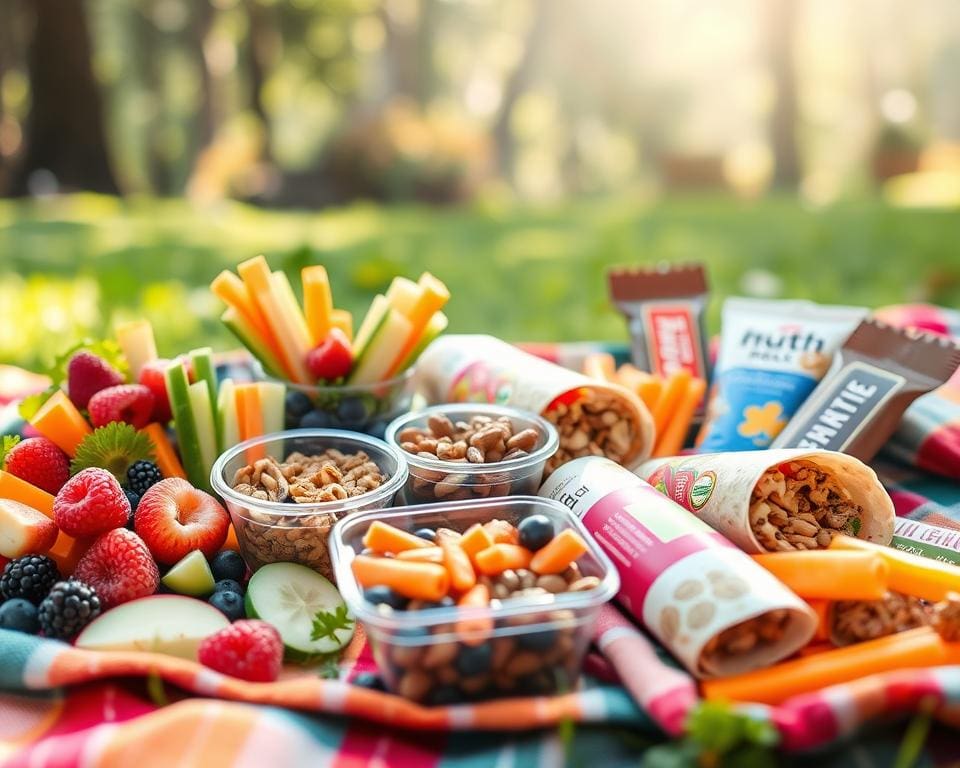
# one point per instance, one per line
(529, 640)
(471, 451)
(286, 490)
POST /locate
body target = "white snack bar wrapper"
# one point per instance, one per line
(684, 581)
(718, 488)
(477, 368)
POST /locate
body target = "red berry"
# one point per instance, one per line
(132, 403)
(332, 358)
(152, 377)
(248, 649)
(90, 502)
(87, 374)
(40, 462)
(119, 567)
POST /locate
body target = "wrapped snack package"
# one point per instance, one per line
(778, 501)
(592, 417)
(710, 604)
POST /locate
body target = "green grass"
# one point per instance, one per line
(72, 266)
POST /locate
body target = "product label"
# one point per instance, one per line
(925, 540)
(481, 382)
(672, 337)
(838, 411)
(685, 485)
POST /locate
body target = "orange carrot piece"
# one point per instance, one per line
(921, 647)
(497, 558)
(383, 537)
(671, 439)
(673, 391)
(909, 574)
(250, 418)
(814, 648)
(474, 630)
(458, 565)
(418, 581)
(231, 541)
(822, 609)
(562, 550)
(166, 457)
(424, 555)
(502, 532)
(475, 539)
(600, 365)
(830, 574)
(59, 420)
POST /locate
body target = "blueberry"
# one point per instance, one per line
(535, 532)
(352, 412)
(132, 498)
(315, 420)
(228, 565)
(228, 585)
(380, 595)
(444, 694)
(445, 602)
(426, 533)
(230, 604)
(370, 680)
(410, 633)
(474, 660)
(377, 429)
(538, 641)
(19, 615)
(297, 405)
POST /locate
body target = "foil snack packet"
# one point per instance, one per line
(772, 354)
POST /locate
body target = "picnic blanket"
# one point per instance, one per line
(61, 706)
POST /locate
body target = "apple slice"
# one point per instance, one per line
(24, 529)
(169, 624)
(138, 345)
(191, 576)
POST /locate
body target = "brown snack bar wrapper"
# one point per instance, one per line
(875, 376)
(711, 605)
(664, 309)
(719, 489)
(468, 368)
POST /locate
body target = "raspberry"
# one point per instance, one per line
(130, 403)
(248, 649)
(40, 462)
(143, 475)
(91, 502)
(119, 566)
(87, 374)
(69, 607)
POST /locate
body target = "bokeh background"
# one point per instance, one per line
(515, 148)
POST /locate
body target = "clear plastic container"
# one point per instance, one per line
(270, 531)
(434, 480)
(537, 643)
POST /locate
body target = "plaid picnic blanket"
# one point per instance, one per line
(61, 706)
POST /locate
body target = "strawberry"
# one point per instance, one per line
(40, 462)
(174, 518)
(130, 403)
(119, 567)
(248, 649)
(87, 374)
(89, 503)
(151, 376)
(332, 358)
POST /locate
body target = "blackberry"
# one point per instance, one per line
(69, 607)
(29, 577)
(134, 501)
(142, 475)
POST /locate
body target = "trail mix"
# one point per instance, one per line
(269, 537)
(598, 424)
(799, 506)
(855, 621)
(745, 637)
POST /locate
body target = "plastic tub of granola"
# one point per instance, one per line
(286, 490)
(534, 640)
(470, 450)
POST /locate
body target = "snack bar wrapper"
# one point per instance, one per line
(592, 417)
(710, 604)
(777, 500)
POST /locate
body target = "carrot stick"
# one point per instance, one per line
(475, 539)
(921, 647)
(909, 574)
(600, 365)
(497, 558)
(458, 565)
(382, 537)
(667, 403)
(562, 550)
(830, 574)
(670, 441)
(822, 609)
(250, 418)
(167, 460)
(418, 581)
(475, 629)
(424, 555)
(814, 648)
(502, 532)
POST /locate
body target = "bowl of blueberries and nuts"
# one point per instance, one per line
(476, 599)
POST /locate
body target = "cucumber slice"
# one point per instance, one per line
(255, 345)
(288, 596)
(229, 434)
(191, 576)
(178, 390)
(203, 420)
(371, 323)
(272, 403)
(404, 295)
(205, 371)
(376, 361)
(436, 326)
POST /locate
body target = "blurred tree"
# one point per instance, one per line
(781, 18)
(65, 132)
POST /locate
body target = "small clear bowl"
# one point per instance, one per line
(433, 480)
(536, 645)
(271, 532)
(364, 408)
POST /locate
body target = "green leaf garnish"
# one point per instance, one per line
(107, 349)
(114, 448)
(327, 624)
(32, 403)
(855, 526)
(5, 445)
(329, 668)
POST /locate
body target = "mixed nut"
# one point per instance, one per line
(598, 424)
(855, 621)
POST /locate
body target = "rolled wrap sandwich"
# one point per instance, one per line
(778, 500)
(711, 605)
(593, 418)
